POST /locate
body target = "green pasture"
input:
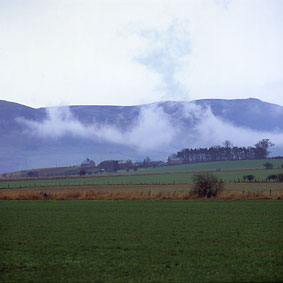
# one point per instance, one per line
(141, 241)
(149, 179)
(212, 166)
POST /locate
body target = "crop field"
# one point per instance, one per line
(139, 179)
(141, 241)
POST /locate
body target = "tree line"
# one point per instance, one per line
(226, 152)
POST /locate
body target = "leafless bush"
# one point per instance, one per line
(207, 185)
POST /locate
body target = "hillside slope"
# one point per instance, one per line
(32, 138)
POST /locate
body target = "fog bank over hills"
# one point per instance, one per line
(45, 137)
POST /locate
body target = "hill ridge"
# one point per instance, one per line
(166, 123)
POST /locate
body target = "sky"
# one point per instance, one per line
(129, 52)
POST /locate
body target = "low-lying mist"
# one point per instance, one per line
(154, 129)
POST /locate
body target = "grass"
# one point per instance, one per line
(178, 191)
(149, 179)
(212, 166)
(118, 195)
(195, 167)
(141, 241)
(229, 188)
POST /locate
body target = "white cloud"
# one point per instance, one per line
(166, 53)
(237, 52)
(211, 130)
(76, 52)
(153, 130)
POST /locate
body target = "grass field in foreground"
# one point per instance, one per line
(148, 241)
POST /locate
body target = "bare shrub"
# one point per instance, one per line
(272, 177)
(250, 178)
(207, 185)
(268, 165)
(280, 177)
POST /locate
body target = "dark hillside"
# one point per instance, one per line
(21, 149)
(251, 113)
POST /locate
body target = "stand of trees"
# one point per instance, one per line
(225, 152)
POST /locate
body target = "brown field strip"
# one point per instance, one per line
(91, 195)
(105, 188)
(229, 187)
(177, 191)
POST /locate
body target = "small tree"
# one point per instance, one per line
(207, 185)
(268, 165)
(280, 177)
(146, 162)
(261, 149)
(272, 177)
(249, 178)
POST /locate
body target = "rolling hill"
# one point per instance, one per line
(46, 137)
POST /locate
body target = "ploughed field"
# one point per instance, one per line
(142, 240)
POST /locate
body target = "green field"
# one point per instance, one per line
(169, 178)
(228, 171)
(213, 166)
(141, 241)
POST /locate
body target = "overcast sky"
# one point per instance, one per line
(126, 52)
